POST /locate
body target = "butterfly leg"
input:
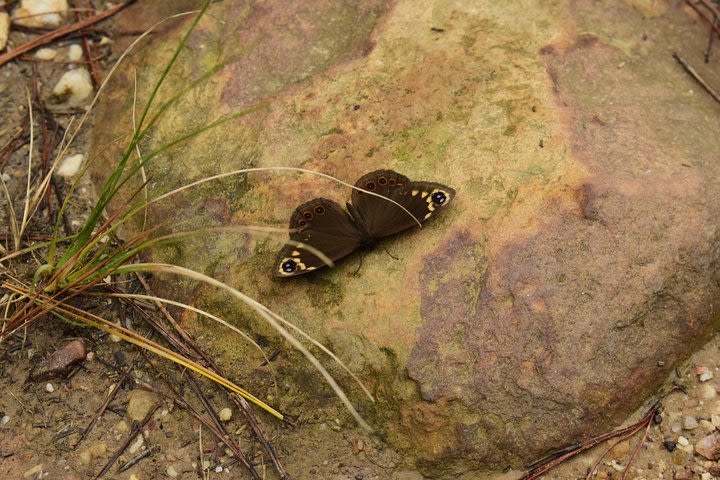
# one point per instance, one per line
(356, 273)
(390, 254)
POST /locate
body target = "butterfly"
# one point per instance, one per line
(327, 227)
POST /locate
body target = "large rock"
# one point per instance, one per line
(579, 262)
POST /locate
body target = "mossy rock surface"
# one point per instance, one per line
(578, 263)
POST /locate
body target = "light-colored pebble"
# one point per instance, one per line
(40, 13)
(4, 420)
(709, 446)
(683, 441)
(715, 420)
(73, 87)
(707, 425)
(171, 472)
(706, 476)
(85, 457)
(616, 466)
(708, 391)
(75, 52)
(689, 423)
(34, 471)
(218, 469)
(137, 444)
(134, 477)
(620, 450)
(5, 177)
(4, 29)
(49, 388)
(46, 54)
(706, 375)
(676, 427)
(70, 166)
(225, 414)
(140, 404)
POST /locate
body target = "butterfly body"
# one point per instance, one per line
(398, 204)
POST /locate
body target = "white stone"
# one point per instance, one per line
(75, 52)
(33, 472)
(70, 166)
(683, 441)
(40, 13)
(136, 444)
(49, 388)
(4, 420)
(715, 420)
(73, 87)
(706, 476)
(705, 376)
(708, 391)
(689, 423)
(225, 414)
(4, 29)
(46, 54)
(5, 177)
(171, 472)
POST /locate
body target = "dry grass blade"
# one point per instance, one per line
(264, 312)
(132, 337)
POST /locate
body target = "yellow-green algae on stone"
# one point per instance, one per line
(558, 290)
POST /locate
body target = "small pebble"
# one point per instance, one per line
(620, 450)
(709, 446)
(5, 178)
(689, 423)
(705, 376)
(73, 87)
(135, 446)
(75, 52)
(706, 476)
(707, 426)
(70, 166)
(40, 13)
(49, 388)
(46, 54)
(676, 427)
(171, 472)
(33, 472)
(140, 404)
(4, 29)
(358, 446)
(133, 477)
(683, 441)
(4, 420)
(616, 466)
(225, 414)
(60, 361)
(708, 391)
(218, 469)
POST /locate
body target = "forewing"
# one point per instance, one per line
(323, 225)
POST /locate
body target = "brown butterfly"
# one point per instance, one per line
(327, 227)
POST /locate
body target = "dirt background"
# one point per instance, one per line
(36, 419)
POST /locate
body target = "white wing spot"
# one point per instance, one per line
(424, 194)
(415, 192)
(427, 216)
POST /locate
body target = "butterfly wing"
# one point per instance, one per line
(321, 224)
(381, 218)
